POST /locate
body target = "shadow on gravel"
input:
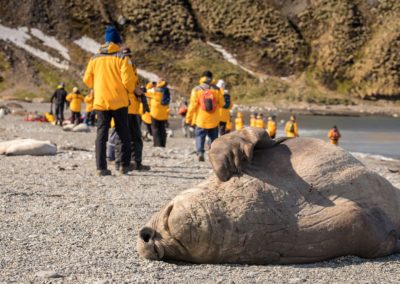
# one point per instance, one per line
(170, 176)
(176, 172)
(339, 262)
(179, 167)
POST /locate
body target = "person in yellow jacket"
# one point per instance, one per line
(205, 101)
(112, 76)
(260, 121)
(271, 126)
(239, 123)
(75, 100)
(159, 99)
(145, 110)
(334, 135)
(224, 111)
(90, 114)
(253, 118)
(291, 127)
(135, 133)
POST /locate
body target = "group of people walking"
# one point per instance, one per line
(117, 100)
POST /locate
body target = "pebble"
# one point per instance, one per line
(48, 274)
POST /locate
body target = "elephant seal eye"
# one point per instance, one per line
(146, 234)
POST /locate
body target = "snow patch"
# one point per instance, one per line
(52, 42)
(149, 76)
(231, 59)
(20, 36)
(90, 45)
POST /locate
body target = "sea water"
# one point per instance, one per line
(371, 135)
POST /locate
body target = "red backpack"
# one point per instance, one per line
(335, 135)
(208, 102)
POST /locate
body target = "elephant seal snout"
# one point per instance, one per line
(148, 246)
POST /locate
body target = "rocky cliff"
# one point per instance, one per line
(294, 49)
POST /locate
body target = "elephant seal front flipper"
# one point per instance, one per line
(230, 153)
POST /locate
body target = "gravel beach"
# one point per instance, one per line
(60, 223)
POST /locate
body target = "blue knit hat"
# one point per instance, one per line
(112, 35)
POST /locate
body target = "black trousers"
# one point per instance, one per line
(148, 127)
(222, 128)
(136, 137)
(121, 126)
(159, 132)
(136, 141)
(76, 117)
(60, 112)
(90, 118)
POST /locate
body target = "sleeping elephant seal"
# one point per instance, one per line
(298, 201)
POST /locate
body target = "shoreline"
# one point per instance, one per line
(380, 108)
(325, 110)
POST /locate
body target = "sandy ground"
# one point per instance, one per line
(57, 219)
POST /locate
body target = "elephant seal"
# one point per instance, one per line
(298, 201)
(27, 147)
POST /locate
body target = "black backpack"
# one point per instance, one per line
(166, 97)
(227, 99)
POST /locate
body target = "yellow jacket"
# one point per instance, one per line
(89, 103)
(157, 110)
(225, 113)
(295, 129)
(134, 104)
(76, 101)
(146, 118)
(271, 127)
(204, 119)
(192, 121)
(334, 138)
(253, 122)
(239, 124)
(260, 123)
(112, 77)
(229, 125)
(49, 117)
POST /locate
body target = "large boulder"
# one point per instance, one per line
(293, 201)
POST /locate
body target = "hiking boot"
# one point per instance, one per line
(124, 170)
(142, 168)
(201, 158)
(101, 173)
(117, 166)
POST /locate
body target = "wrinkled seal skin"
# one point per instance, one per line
(299, 201)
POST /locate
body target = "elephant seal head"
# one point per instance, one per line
(155, 241)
